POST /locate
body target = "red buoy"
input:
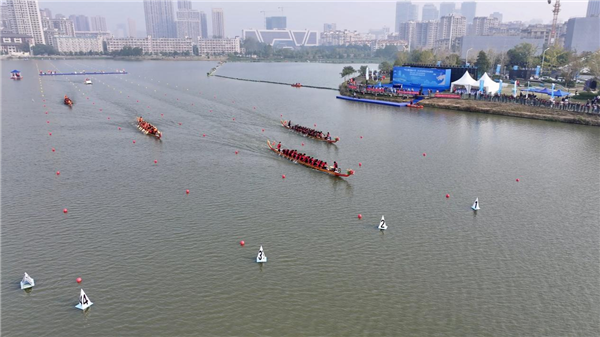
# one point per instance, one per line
(108, 117)
(78, 280)
(162, 115)
(283, 176)
(53, 150)
(447, 196)
(236, 152)
(50, 133)
(179, 123)
(302, 144)
(134, 142)
(517, 179)
(57, 173)
(155, 161)
(359, 164)
(233, 118)
(359, 216)
(315, 125)
(46, 112)
(204, 135)
(424, 154)
(263, 130)
(119, 128)
(187, 191)
(360, 137)
(47, 122)
(242, 243)
(254, 108)
(209, 110)
(65, 211)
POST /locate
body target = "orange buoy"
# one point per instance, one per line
(447, 196)
(359, 216)
(65, 211)
(242, 243)
(57, 173)
(78, 280)
(283, 176)
(187, 191)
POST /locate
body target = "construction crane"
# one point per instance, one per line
(556, 10)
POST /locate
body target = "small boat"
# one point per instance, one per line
(475, 206)
(297, 85)
(88, 81)
(338, 173)
(15, 75)
(285, 124)
(27, 282)
(414, 106)
(68, 102)
(261, 257)
(148, 129)
(84, 301)
(382, 224)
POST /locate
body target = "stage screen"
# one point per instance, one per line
(426, 78)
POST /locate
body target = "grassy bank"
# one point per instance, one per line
(514, 110)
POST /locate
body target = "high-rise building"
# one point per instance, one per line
(468, 10)
(405, 11)
(98, 24)
(25, 18)
(447, 8)
(593, 8)
(46, 13)
(497, 15)
(5, 18)
(131, 28)
(426, 34)
(276, 22)
(188, 21)
(160, 21)
(406, 32)
(483, 26)
(328, 27)
(203, 25)
(430, 12)
(59, 16)
(82, 23)
(451, 27)
(218, 23)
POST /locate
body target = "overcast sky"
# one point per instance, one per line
(347, 14)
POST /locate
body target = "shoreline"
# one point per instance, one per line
(513, 110)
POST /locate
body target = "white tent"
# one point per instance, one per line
(466, 81)
(489, 86)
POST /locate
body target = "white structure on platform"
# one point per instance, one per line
(465, 81)
(280, 38)
(67, 44)
(382, 224)
(219, 46)
(489, 86)
(151, 45)
(27, 282)
(84, 301)
(261, 257)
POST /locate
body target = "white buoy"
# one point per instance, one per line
(84, 301)
(261, 257)
(382, 224)
(475, 206)
(27, 282)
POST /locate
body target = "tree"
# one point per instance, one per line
(593, 63)
(421, 56)
(195, 50)
(42, 49)
(452, 60)
(521, 55)
(385, 67)
(401, 58)
(348, 70)
(387, 53)
(482, 63)
(362, 71)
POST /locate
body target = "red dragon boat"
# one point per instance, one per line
(330, 141)
(148, 129)
(330, 171)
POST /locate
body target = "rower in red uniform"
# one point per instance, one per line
(279, 147)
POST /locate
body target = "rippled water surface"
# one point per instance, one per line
(159, 262)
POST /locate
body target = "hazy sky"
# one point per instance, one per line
(355, 15)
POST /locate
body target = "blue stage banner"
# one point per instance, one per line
(500, 87)
(498, 69)
(537, 71)
(426, 78)
(481, 85)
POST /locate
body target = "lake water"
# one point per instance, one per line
(159, 262)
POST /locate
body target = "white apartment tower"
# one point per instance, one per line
(160, 22)
(218, 23)
(24, 17)
(188, 20)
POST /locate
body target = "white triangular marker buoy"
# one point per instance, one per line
(27, 282)
(261, 257)
(84, 301)
(382, 224)
(475, 206)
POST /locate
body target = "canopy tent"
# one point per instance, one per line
(559, 93)
(466, 81)
(489, 86)
(15, 71)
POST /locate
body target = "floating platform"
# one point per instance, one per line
(86, 73)
(374, 101)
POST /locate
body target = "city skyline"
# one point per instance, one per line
(312, 15)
